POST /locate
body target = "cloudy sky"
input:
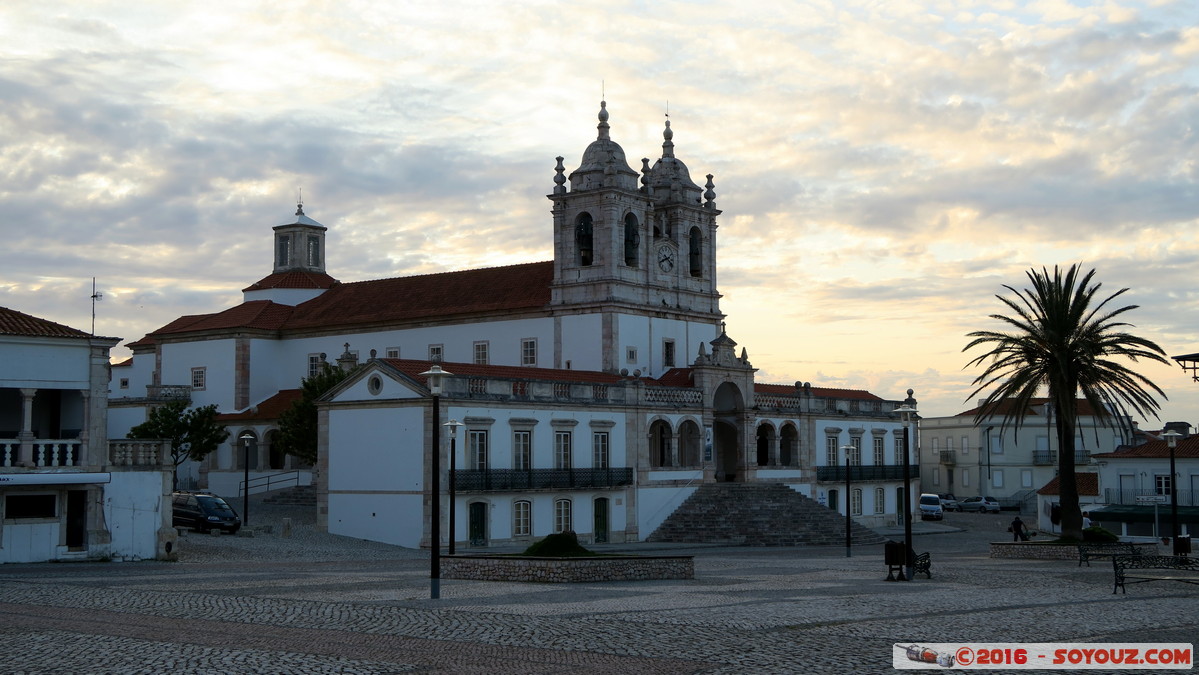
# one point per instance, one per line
(884, 167)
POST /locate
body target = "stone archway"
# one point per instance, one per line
(728, 406)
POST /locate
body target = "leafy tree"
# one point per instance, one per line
(1061, 340)
(193, 433)
(298, 424)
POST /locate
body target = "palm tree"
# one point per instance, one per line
(1062, 340)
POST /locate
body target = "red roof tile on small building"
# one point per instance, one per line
(270, 409)
(301, 279)
(1187, 448)
(790, 390)
(1088, 485)
(13, 322)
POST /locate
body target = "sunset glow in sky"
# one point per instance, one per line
(883, 167)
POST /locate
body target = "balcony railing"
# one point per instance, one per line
(949, 457)
(496, 480)
(1044, 457)
(46, 453)
(133, 452)
(168, 391)
(1129, 497)
(830, 474)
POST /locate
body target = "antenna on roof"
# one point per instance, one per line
(96, 297)
(668, 108)
(603, 91)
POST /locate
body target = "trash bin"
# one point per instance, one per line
(893, 554)
(1182, 544)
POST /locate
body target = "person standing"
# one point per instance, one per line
(1086, 519)
(1017, 529)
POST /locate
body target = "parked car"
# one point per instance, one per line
(980, 504)
(930, 507)
(203, 512)
(948, 502)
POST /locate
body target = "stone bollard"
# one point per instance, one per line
(287, 527)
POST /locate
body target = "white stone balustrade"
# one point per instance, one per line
(135, 452)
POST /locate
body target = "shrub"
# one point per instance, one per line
(1099, 535)
(560, 545)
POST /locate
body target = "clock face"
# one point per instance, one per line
(665, 258)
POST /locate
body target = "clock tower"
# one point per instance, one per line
(640, 250)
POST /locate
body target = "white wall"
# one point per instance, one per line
(134, 503)
(46, 363)
(654, 505)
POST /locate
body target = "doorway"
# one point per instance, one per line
(601, 520)
(76, 520)
(477, 524)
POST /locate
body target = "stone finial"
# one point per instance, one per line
(668, 144)
(603, 121)
(710, 194)
(559, 177)
(645, 171)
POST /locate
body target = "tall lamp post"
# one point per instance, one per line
(1172, 441)
(435, 377)
(245, 439)
(848, 450)
(453, 425)
(907, 412)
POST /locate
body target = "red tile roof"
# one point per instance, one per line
(1003, 407)
(123, 364)
(493, 289)
(1088, 485)
(1187, 447)
(677, 377)
(13, 322)
(293, 279)
(270, 409)
(413, 368)
(790, 390)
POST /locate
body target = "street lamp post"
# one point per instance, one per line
(1171, 441)
(435, 376)
(907, 412)
(245, 438)
(848, 450)
(453, 425)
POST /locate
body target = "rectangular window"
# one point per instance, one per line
(124, 383)
(478, 450)
(314, 252)
(856, 455)
(630, 354)
(392, 352)
(855, 505)
(528, 352)
(283, 252)
(936, 476)
(880, 454)
(997, 444)
(1026, 478)
(435, 353)
(965, 478)
(562, 451)
(522, 519)
(880, 500)
(562, 516)
(965, 445)
(30, 506)
(522, 450)
(668, 353)
(482, 357)
(198, 379)
(315, 364)
(1162, 484)
(997, 478)
(600, 456)
(830, 451)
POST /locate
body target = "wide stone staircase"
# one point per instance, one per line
(757, 515)
(300, 495)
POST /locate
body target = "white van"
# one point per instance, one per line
(930, 507)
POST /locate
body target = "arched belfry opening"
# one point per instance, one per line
(727, 406)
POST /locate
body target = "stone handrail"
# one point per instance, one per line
(137, 452)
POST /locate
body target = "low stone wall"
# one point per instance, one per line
(567, 570)
(1021, 549)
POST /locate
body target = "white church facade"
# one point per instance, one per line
(597, 390)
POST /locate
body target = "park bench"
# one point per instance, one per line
(1105, 550)
(1172, 568)
(894, 559)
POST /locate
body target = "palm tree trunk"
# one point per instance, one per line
(1071, 514)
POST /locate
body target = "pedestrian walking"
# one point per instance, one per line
(1017, 530)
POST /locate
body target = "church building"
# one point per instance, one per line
(594, 392)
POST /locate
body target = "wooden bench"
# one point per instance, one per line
(924, 562)
(1173, 568)
(1105, 550)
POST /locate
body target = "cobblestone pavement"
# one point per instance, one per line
(319, 603)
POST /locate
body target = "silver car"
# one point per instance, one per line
(980, 504)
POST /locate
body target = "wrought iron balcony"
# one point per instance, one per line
(1044, 457)
(507, 480)
(949, 457)
(1129, 497)
(831, 474)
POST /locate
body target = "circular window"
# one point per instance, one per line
(374, 385)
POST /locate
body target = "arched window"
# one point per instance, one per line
(660, 436)
(689, 441)
(789, 446)
(563, 521)
(632, 240)
(584, 238)
(765, 436)
(695, 258)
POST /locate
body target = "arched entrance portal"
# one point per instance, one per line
(727, 406)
